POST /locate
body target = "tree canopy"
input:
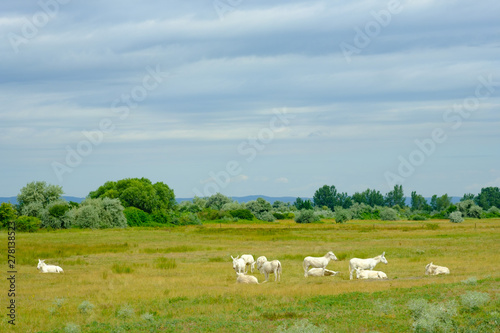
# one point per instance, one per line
(139, 193)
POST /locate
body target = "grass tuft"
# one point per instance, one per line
(165, 263)
(121, 268)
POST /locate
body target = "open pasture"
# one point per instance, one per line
(181, 279)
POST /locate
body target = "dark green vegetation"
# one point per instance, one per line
(138, 202)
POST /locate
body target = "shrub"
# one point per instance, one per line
(456, 217)
(388, 214)
(161, 217)
(72, 328)
(125, 311)
(492, 212)
(136, 217)
(473, 300)
(209, 214)
(188, 219)
(28, 224)
(419, 217)
(265, 216)
(279, 216)
(472, 281)
(475, 212)
(85, 307)
(7, 214)
(100, 213)
(432, 317)
(342, 215)
(243, 214)
(301, 326)
(306, 216)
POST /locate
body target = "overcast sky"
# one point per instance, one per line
(250, 97)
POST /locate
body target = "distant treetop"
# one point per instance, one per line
(140, 193)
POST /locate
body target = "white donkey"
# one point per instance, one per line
(365, 263)
(248, 259)
(317, 262)
(266, 267)
(436, 270)
(238, 264)
(44, 268)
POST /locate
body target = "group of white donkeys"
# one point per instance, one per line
(362, 267)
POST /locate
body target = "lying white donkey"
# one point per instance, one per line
(436, 270)
(321, 272)
(367, 274)
(248, 279)
(44, 268)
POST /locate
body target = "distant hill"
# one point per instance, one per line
(254, 197)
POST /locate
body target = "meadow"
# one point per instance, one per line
(181, 279)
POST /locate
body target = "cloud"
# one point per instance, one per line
(281, 180)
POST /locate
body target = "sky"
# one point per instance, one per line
(248, 97)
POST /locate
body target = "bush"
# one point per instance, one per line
(209, 214)
(456, 217)
(99, 214)
(85, 307)
(125, 312)
(473, 300)
(301, 326)
(28, 224)
(475, 212)
(306, 216)
(265, 216)
(279, 215)
(419, 218)
(432, 317)
(243, 214)
(388, 214)
(136, 217)
(188, 219)
(492, 212)
(342, 215)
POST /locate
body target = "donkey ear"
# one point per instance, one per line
(383, 254)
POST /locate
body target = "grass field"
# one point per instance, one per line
(181, 279)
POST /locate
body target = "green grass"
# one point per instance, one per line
(181, 279)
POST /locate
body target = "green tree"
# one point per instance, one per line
(329, 196)
(261, 209)
(35, 200)
(7, 214)
(395, 197)
(489, 197)
(467, 196)
(418, 202)
(139, 193)
(369, 197)
(39, 192)
(443, 202)
(217, 201)
(303, 204)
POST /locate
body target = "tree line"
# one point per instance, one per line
(138, 202)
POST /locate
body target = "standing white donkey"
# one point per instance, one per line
(317, 262)
(365, 263)
(44, 268)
